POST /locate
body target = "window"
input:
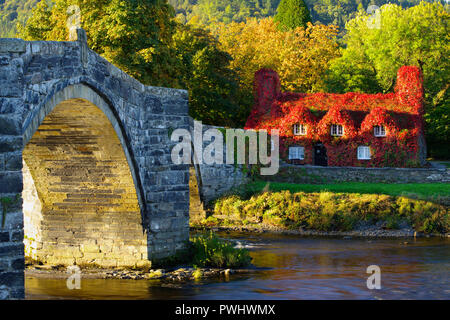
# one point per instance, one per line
(363, 153)
(379, 131)
(296, 153)
(337, 130)
(299, 129)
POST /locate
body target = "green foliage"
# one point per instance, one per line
(210, 251)
(204, 71)
(292, 14)
(328, 12)
(415, 36)
(328, 211)
(133, 35)
(13, 12)
(210, 12)
(437, 121)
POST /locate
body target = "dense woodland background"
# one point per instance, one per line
(207, 12)
(213, 47)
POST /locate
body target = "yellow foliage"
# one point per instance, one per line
(300, 56)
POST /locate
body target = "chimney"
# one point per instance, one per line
(266, 89)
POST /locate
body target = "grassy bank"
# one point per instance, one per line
(435, 192)
(336, 207)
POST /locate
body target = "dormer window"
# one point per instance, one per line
(337, 130)
(299, 129)
(379, 131)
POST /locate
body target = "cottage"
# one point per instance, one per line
(351, 129)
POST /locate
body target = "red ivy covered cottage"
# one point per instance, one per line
(352, 129)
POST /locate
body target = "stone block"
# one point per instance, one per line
(10, 105)
(4, 236)
(10, 143)
(12, 279)
(10, 125)
(12, 45)
(152, 104)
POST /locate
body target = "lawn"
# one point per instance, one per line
(425, 191)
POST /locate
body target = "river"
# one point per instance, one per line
(289, 267)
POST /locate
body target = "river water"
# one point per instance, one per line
(289, 267)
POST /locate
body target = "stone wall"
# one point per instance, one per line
(317, 175)
(37, 76)
(215, 180)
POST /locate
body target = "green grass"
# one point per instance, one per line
(424, 191)
(445, 163)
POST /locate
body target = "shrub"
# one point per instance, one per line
(328, 211)
(210, 251)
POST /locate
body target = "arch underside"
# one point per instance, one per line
(80, 201)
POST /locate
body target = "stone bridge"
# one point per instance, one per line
(86, 175)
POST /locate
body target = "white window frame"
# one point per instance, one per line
(379, 131)
(297, 153)
(299, 129)
(337, 130)
(364, 153)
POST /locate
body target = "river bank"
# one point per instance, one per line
(370, 232)
(174, 275)
(327, 213)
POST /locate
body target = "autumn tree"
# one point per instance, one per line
(300, 56)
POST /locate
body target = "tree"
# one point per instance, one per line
(141, 38)
(414, 36)
(133, 35)
(300, 56)
(213, 86)
(39, 24)
(292, 14)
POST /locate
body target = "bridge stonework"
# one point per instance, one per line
(35, 78)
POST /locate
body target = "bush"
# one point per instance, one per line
(210, 251)
(328, 211)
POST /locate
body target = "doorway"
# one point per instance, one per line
(320, 155)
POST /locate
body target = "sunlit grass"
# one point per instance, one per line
(332, 211)
(425, 191)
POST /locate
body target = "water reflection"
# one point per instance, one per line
(294, 268)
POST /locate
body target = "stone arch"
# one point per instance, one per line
(83, 90)
(80, 202)
(35, 76)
